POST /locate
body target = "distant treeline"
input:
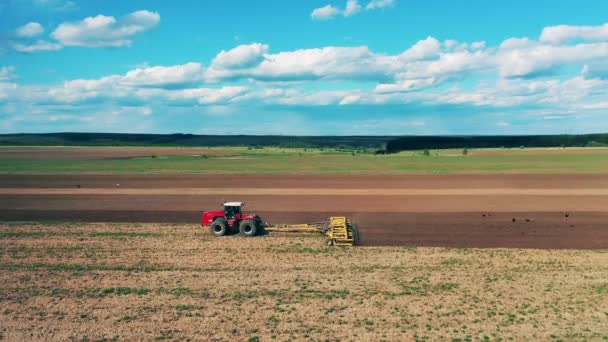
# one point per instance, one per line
(384, 144)
(191, 140)
(445, 142)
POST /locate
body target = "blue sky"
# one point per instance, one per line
(328, 67)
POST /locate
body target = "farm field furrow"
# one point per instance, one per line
(498, 210)
(581, 230)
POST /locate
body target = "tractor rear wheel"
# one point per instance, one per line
(218, 227)
(248, 228)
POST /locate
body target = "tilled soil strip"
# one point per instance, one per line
(310, 192)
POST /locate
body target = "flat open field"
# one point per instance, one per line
(495, 245)
(539, 198)
(87, 282)
(535, 211)
(10, 153)
(231, 160)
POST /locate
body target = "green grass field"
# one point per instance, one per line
(327, 161)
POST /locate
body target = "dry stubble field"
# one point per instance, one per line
(95, 282)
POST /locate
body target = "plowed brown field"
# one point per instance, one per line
(537, 211)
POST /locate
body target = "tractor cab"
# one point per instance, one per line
(232, 210)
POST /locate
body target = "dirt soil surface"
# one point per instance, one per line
(101, 153)
(146, 282)
(539, 211)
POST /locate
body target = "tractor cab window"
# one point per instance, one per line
(230, 212)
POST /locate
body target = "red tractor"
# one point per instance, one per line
(231, 219)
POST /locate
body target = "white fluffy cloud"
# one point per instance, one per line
(352, 8)
(524, 58)
(92, 32)
(207, 95)
(478, 45)
(332, 63)
(6, 73)
(532, 73)
(242, 56)
(450, 63)
(39, 45)
(423, 49)
(328, 62)
(29, 30)
(564, 33)
(405, 85)
(378, 4)
(421, 71)
(105, 31)
(325, 13)
(56, 5)
(165, 76)
(179, 85)
(176, 76)
(114, 89)
(426, 63)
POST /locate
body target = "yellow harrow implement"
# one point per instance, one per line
(340, 231)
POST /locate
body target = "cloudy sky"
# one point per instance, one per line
(306, 67)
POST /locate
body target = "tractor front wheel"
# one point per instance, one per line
(218, 228)
(248, 228)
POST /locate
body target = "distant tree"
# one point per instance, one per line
(465, 151)
(426, 153)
